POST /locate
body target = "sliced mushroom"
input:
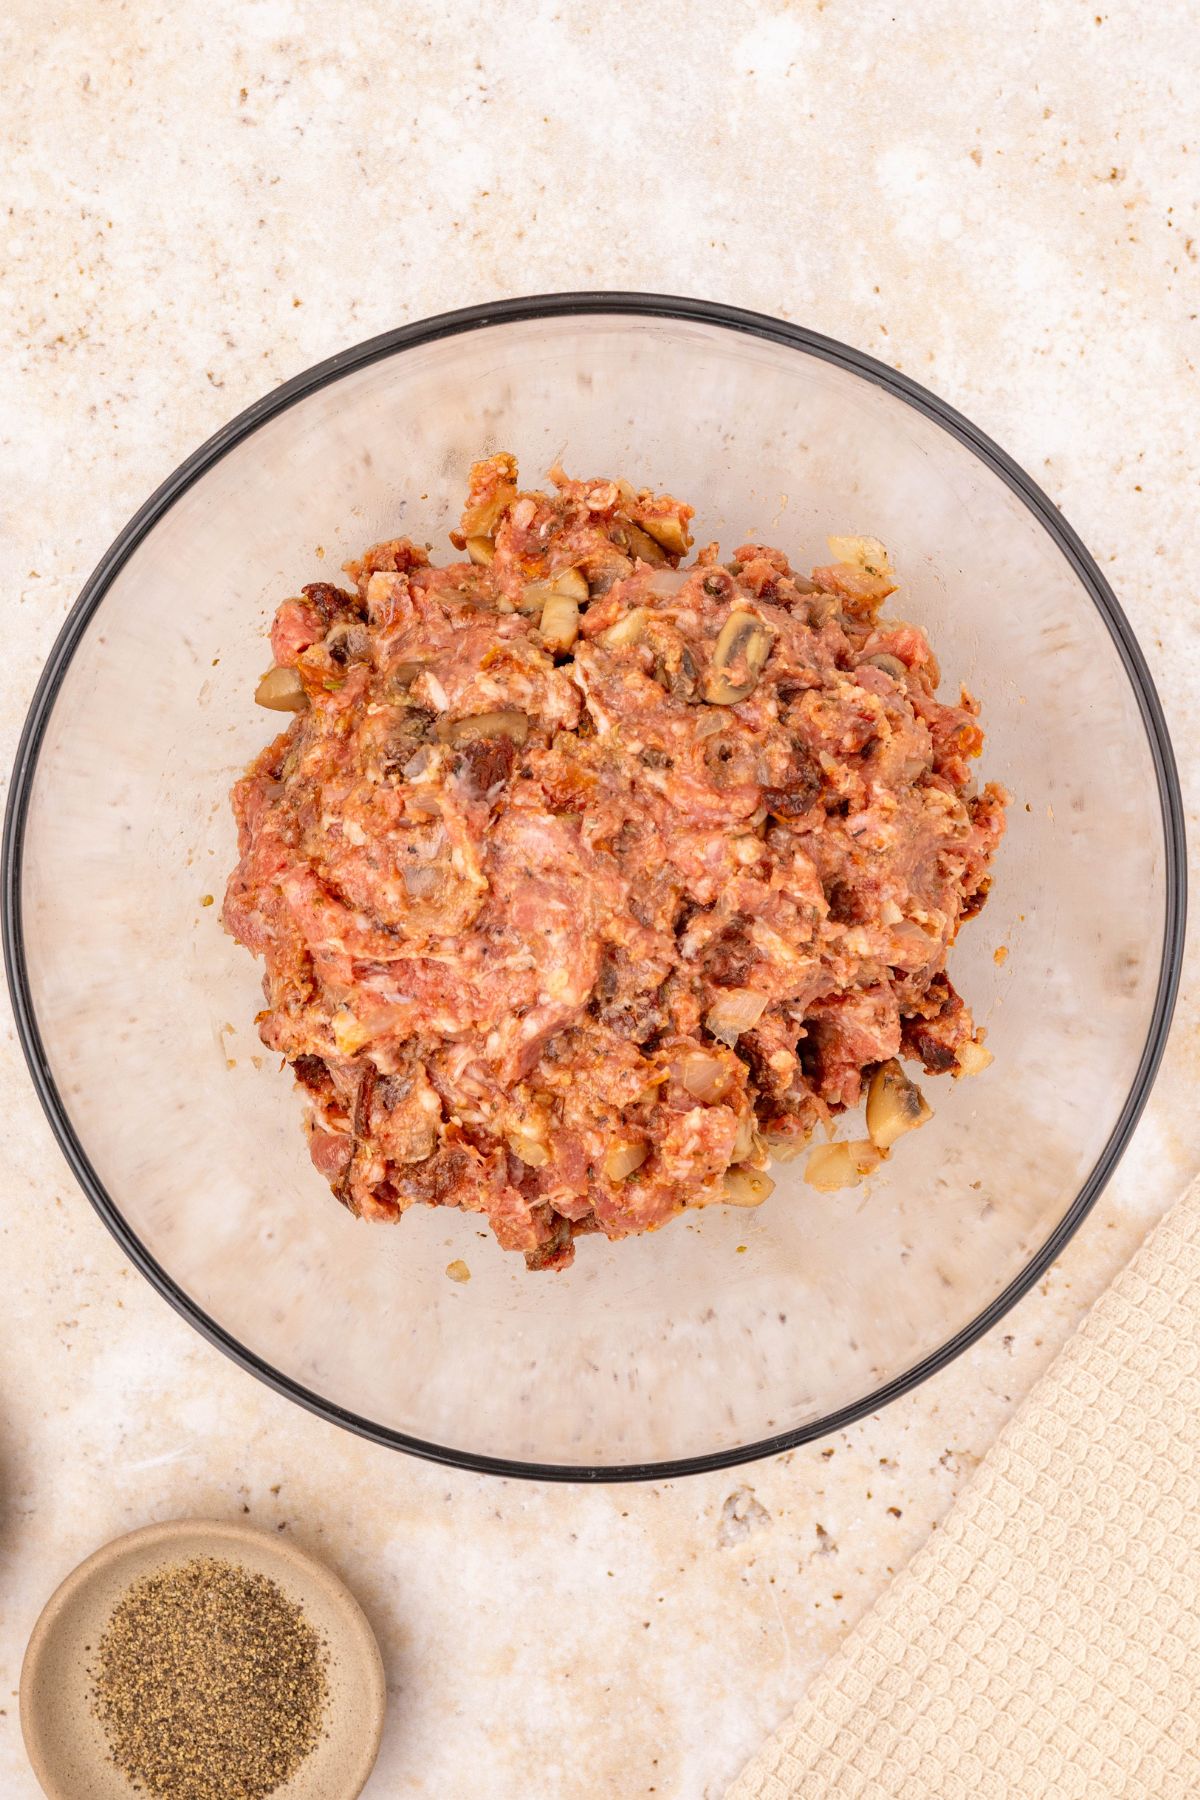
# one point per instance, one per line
(894, 1105)
(604, 569)
(669, 532)
(891, 665)
(512, 725)
(745, 1187)
(481, 550)
(627, 630)
(535, 594)
(348, 642)
(560, 622)
(642, 544)
(623, 1157)
(570, 581)
(744, 644)
(281, 690)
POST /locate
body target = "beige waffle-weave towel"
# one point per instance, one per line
(1046, 1641)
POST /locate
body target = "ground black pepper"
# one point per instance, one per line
(210, 1683)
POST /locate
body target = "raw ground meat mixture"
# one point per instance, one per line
(586, 883)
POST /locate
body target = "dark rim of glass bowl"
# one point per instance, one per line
(645, 306)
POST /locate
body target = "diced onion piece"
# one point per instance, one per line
(865, 1157)
(530, 1149)
(627, 630)
(481, 520)
(831, 1167)
(560, 622)
(782, 1148)
(421, 880)
(669, 532)
(973, 1058)
(705, 1077)
(733, 1011)
(894, 1105)
(744, 643)
(458, 1270)
(745, 1187)
(864, 553)
(281, 690)
(668, 581)
(911, 947)
(481, 550)
(348, 1035)
(623, 1157)
(435, 691)
(512, 725)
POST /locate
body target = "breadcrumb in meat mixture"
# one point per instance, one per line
(585, 882)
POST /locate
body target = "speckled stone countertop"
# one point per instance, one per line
(200, 201)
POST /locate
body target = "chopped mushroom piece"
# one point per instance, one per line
(281, 690)
(738, 660)
(512, 725)
(668, 531)
(894, 1105)
(560, 622)
(627, 630)
(643, 545)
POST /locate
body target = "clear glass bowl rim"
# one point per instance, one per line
(516, 311)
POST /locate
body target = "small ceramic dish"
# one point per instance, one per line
(65, 1742)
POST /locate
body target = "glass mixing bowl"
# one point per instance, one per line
(729, 1334)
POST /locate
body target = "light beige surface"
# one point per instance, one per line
(205, 199)
(65, 1740)
(1046, 1641)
